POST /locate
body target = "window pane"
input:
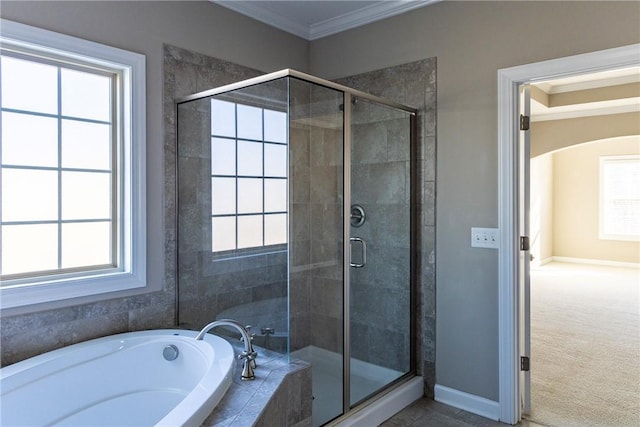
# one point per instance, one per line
(249, 158)
(223, 156)
(249, 122)
(27, 248)
(621, 197)
(85, 95)
(249, 231)
(622, 218)
(275, 195)
(223, 233)
(275, 160)
(86, 195)
(86, 244)
(223, 195)
(86, 145)
(621, 178)
(249, 195)
(29, 140)
(223, 118)
(275, 229)
(29, 86)
(275, 126)
(29, 195)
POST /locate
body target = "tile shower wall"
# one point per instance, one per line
(206, 287)
(326, 210)
(414, 84)
(380, 293)
(211, 286)
(316, 203)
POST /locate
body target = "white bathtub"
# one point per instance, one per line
(120, 380)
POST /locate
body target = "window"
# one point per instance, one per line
(248, 176)
(620, 198)
(72, 167)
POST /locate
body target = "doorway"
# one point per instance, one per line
(512, 393)
(584, 339)
(585, 329)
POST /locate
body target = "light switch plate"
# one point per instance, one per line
(484, 237)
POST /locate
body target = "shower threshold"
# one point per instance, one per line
(327, 381)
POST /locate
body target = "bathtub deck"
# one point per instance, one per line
(265, 401)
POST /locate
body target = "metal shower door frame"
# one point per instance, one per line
(348, 95)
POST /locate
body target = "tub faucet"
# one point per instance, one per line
(249, 355)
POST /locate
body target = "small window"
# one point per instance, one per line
(620, 198)
(248, 176)
(72, 216)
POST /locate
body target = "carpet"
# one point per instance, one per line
(585, 346)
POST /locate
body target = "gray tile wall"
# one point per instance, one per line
(209, 284)
(380, 292)
(281, 393)
(326, 229)
(27, 335)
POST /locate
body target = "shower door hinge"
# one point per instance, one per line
(524, 243)
(524, 363)
(524, 122)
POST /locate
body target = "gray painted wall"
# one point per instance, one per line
(472, 40)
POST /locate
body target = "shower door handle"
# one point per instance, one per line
(364, 253)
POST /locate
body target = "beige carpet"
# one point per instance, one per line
(585, 346)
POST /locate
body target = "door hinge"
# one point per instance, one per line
(524, 243)
(524, 122)
(524, 363)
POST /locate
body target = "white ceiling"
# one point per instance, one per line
(312, 19)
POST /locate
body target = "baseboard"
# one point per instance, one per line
(596, 262)
(467, 402)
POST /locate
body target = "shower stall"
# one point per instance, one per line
(296, 216)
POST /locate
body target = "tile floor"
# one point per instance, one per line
(426, 412)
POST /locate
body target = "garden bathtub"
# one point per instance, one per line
(119, 380)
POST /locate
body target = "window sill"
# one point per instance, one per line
(59, 293)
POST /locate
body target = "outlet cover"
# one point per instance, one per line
(484, 237)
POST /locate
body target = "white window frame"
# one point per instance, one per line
(131, 66)
(601, 228)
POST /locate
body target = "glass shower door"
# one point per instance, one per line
(316, 232)
(380, 273)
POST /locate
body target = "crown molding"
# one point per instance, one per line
(346, 21)
(604, 110)
(567, 85)
(363, 16)
(254, 11)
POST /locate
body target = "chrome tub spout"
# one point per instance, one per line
(249, 355)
